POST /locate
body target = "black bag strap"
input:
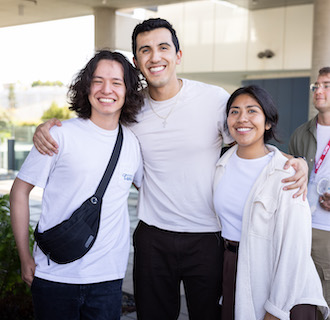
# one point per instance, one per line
(111, 165)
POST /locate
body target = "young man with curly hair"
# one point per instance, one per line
(104, 94)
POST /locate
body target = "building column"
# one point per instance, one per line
(105, 28)
(321, 44)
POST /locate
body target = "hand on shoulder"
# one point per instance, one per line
(42, 139)
(299, 179)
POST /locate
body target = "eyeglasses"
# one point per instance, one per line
(323, 85)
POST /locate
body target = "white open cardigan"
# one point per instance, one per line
(275, 270)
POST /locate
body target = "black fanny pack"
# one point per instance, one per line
(73, 238)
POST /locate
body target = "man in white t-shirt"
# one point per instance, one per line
(312, 140)
(103, 93)
(181, 131)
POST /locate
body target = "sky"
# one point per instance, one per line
(47, 51)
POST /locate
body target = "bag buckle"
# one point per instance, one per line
(94, 200)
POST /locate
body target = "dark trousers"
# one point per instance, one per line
(97, 301)
(162, 259)
(298, 312)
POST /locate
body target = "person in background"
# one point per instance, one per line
(181, 132)
(312, 141)
(268, 270)
(103, 94)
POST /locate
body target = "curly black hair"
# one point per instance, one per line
(80, 88)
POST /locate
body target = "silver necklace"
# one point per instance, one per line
(164, 118)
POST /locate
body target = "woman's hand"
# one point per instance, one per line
(268, 316)
(42, 139)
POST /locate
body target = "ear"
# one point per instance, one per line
(178, 57)
(268, 126)
(135, 63)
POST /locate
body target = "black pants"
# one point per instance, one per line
(298, 312)
(162, 259)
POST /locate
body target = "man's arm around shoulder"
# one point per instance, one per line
(42, 139)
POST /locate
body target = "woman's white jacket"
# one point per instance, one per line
(275, 270)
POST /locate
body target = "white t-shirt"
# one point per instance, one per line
(320, 217)
(179, 159)
(232, 192)
(72, 176)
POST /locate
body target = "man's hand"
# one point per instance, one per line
(299, 179)
(42, 139)
(324, 201)
(27, 269)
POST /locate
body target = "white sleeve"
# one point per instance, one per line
(138, 177)
(294, 273)
(37, 167)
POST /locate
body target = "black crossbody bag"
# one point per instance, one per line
(74, 237)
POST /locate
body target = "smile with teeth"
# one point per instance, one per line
(106, 100)
(243, 129)
(156, 69)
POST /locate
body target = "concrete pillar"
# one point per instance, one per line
(105, 28)
(321, 42)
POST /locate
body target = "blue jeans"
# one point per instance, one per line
(96, 301)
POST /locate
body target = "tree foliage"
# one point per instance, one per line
(47, 83)
(15, 296)
(55, 111)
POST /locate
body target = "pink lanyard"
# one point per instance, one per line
(324, 153)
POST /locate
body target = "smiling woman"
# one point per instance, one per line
(259, 221)
(247, 125)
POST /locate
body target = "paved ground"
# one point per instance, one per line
(6, 181)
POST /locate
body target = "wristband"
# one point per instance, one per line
(300, 157)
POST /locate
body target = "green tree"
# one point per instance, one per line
(5, 125)
(55, 111)
(47, 83)
(15, 296)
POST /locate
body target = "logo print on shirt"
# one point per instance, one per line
(127, 177)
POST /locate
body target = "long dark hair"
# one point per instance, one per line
(80, 88)
(267, 104)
